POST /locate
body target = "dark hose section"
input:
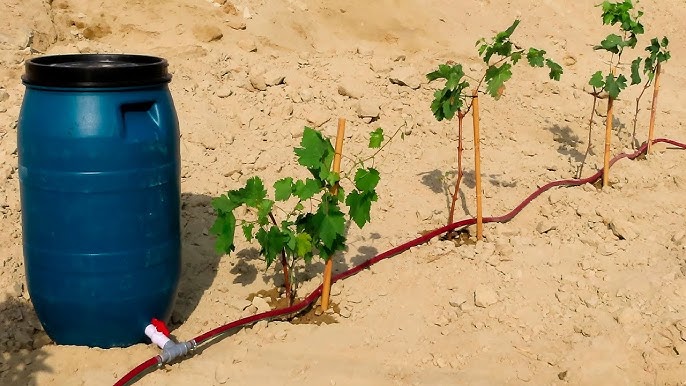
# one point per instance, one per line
(309, 300)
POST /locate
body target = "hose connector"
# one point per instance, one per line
(174, 350)
(159, 334)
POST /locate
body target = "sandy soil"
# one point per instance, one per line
(584, 287)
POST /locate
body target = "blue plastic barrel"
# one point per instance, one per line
(99, 169)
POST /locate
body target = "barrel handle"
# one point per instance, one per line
(140, 121)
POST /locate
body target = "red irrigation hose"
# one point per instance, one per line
(390, 253)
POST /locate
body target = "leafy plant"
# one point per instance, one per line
(314, 224)
(500, 55)
(652, 64)
(609, 85)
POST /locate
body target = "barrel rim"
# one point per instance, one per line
(96, 70)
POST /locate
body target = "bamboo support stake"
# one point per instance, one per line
(326, 289)
(653, 109)
(477, 167)
(608, 139)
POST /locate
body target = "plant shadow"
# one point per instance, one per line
(568, 142)
(434, 180)
(246, 273)
(623, 132)
(364, 253)
(438, 182)
(21, 356)
(200, 261)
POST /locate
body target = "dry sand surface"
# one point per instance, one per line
(584, 287)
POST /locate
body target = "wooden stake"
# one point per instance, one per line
(608, 139)
(653, 109)
(477, 167)
(326, 290)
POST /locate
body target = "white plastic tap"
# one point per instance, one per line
(156, 336)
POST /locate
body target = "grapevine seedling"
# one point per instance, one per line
(500, 55)
(658, 54)
(612, 83)
(301, 233)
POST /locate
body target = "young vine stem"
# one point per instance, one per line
(469, 108)
(634, 144)
(362, 161)
(653, 109)
(608, 139)
(483, 77)
(477, 167)
(451, 214)
(590, 134)
(284, 263)
(288, 214)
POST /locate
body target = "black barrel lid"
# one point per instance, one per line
(96, 70)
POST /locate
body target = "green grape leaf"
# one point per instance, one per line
(663, 56)
(366, 179)
(508, 32)
(306, 190)
(515, 57)
(332, 177)
(224, 228)
(631, 42)
(483, 47)
(658, 54)
(597, 80)
(272, 243)
(340, 194)
(252, 194)
(360, 204)
(449, 108)
(496, 78)
(303, 246)
(313, 149)
(248, 230)
(316, 153)
(289, 237)
(620, 12)
(654, 46)
(556, 70)
(501, 44)
(283, 189)
(535, 57)
(612, 43)
(331, 224)
(450, 99)
(443, 72)
(635, 72)
(224, 204)
(615, 85)
(263, 210)
(376, 138)
(326, 226)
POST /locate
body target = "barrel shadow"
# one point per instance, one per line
(199, 259)
(19, 362)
